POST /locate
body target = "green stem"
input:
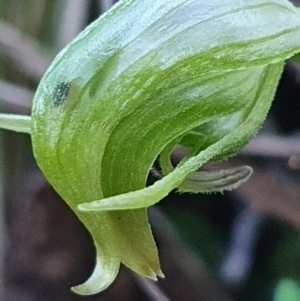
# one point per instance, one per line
(18, 123)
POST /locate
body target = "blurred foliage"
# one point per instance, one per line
(287, 289)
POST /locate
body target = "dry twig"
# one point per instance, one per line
(72, 21)
(2, 227)
(106, 5)
(150, 289)
(25, 52)
(191, 272)
(273, 147)
(15, 99)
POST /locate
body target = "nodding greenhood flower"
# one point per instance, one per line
(145, 76)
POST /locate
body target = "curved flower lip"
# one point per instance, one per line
(218, 180)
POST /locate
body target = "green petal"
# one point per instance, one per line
(216, 181)
(203, 181)
(107, 256)
(228, 144)
(136, 245)
(105, 272)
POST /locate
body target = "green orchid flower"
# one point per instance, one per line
(143, 78)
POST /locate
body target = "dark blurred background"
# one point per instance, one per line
(243, 245)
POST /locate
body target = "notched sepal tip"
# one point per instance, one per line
(154, 275)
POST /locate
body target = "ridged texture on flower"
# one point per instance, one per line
(143, 77)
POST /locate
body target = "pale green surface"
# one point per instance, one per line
(16, 123)
(287, 290)
(143, 77)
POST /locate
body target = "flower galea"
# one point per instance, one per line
(144, 77)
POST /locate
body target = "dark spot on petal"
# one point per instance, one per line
(61, 93)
